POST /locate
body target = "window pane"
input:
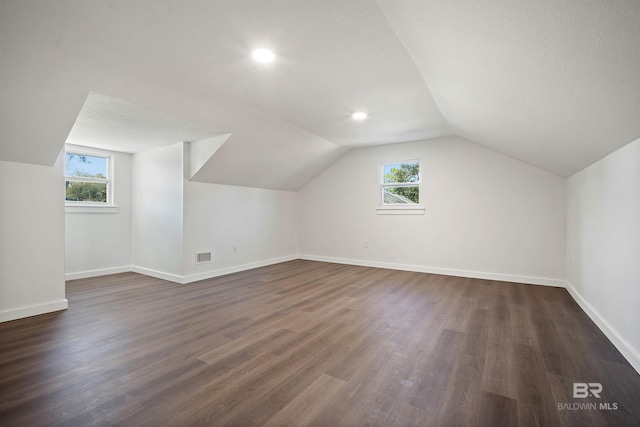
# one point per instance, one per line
(402, 172)
(86, 192)
(86, 166)
(401, 195)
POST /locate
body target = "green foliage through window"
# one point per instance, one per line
(86, 192)
(87, 178)
(400, 173)
(401, 183)
(410, 193)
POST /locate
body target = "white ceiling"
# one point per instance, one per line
(113, 124)
(555, 84)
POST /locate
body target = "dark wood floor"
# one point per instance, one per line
(308, 343)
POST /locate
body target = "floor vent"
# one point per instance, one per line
(203, 257)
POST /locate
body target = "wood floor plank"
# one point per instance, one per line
(461, 404)
(310, 343)
(500, 368)
(304, 407)
(536, 405)
(497, 410)
(437, 373)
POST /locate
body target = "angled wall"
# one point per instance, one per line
(157, 211)
(603, 246)
(31, 239)
(486, 215)
(98, 241)
(174, 218)
(242, 227)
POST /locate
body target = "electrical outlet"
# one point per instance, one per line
(366, 244)
(235, 249)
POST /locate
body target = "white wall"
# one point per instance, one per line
(487, 215)
(173, 218)
(157, 211)
(603, 246)
(99, 242)
(261, 223)
(31, 239)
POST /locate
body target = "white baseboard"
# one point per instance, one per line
(631, 354)
(444, 271)
(211, 273)
(157, 274)
(235, 269)
(33, 310)
(96, 273)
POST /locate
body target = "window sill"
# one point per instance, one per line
(92, 209)
(400, 210)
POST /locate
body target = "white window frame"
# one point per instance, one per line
(85, 206)
(396, 209)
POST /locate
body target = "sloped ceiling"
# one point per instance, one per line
(113, 124)
(555, 84)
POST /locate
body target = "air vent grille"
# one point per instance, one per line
(202, 257)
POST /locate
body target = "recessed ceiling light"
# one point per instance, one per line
(359, 115)
(263, 55)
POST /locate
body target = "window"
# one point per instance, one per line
(88, 178)
(400, 183)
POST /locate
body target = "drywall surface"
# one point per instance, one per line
(486, 215)
(97, 242)
(603, 245)
(157, 220)
(242, 227)
(553, 83)
(31, 239)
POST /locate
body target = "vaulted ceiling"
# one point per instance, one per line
(554, 84)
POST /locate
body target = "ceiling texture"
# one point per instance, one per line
(554, 84)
